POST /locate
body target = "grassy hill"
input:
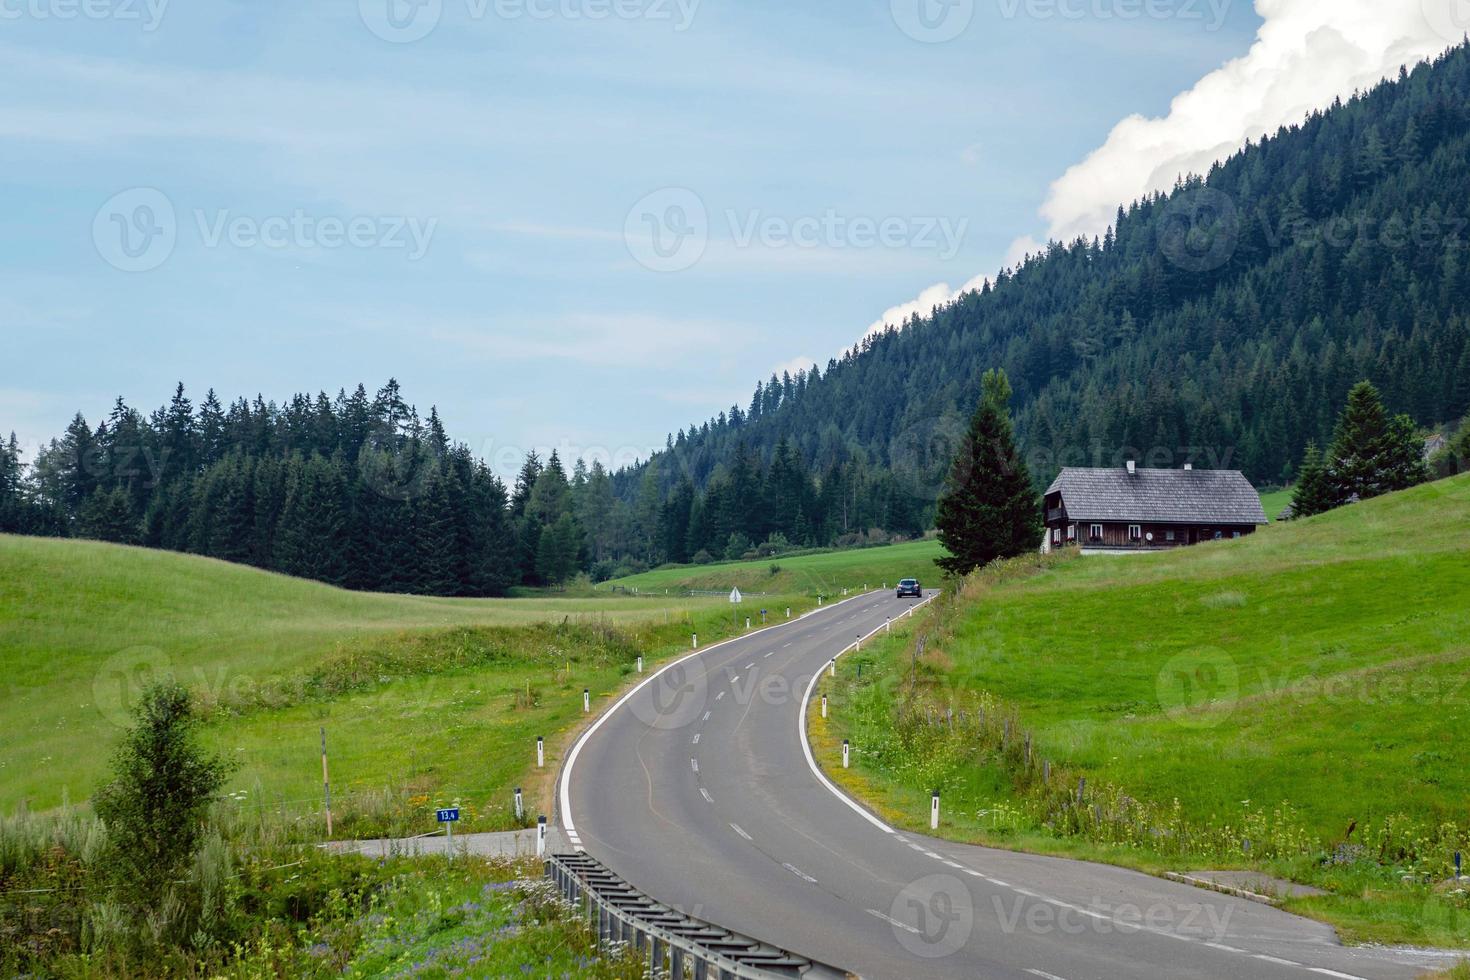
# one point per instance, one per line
(826, 572)
(1301, 693)
(82, 623)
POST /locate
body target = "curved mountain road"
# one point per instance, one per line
(698, 789)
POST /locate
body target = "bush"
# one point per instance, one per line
(156, 806)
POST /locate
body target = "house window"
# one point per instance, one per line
(1218, 535)
(1097, 532)
(1135, 533)
(1071, 532)
(1170, 536)
(1056, 535)
(1235, 534)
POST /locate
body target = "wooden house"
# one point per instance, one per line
(1134, 509)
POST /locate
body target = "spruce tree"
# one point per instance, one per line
(989, 509)
(1313, 494)
(1372, 454)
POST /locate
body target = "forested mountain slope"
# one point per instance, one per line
(1223, 322)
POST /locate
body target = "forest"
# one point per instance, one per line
(1221, 324)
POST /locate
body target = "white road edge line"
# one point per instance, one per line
(806, 750)
(564, 797)
(1043, 974)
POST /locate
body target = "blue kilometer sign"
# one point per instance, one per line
(448, 816)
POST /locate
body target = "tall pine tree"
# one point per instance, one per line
(989, 509)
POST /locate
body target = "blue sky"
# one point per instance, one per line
(269, 196)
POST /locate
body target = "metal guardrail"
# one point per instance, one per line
(677, 946)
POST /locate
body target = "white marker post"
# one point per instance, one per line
(888, 624)
(640, 663)
(326, 783)
(696, 641)
(824, 705)
(520, 806)
(747, 622)
(857, 645)
(586, 701)
(540, 752)
(832, 667)
(788, 612)
(540, 836)
(844, 753)
(934, 811)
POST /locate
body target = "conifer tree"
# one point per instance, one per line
(1312, 495)
(989, 509)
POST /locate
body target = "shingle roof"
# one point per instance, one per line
(1159, 496)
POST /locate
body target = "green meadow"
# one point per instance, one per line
(423, 697)
(1295, 700)
(816, 573)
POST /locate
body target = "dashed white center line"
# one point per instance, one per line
(1043, 974)
(696, 738)
(1223, 948)
(736, 827)
(771, 654)
(799, 873)
(894, 922)
(1275, 959)
(706, 716)
(694, 764)
(1333, 973)
(786, 644)
(720, 695)
(750, 666)
(705, 793)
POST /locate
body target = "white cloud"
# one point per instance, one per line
(1306, 53)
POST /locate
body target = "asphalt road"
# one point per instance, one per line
(698, 789)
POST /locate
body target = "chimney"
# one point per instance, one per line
(1188, 467)
(1132, 467)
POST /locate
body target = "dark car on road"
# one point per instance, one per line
(909, 587)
